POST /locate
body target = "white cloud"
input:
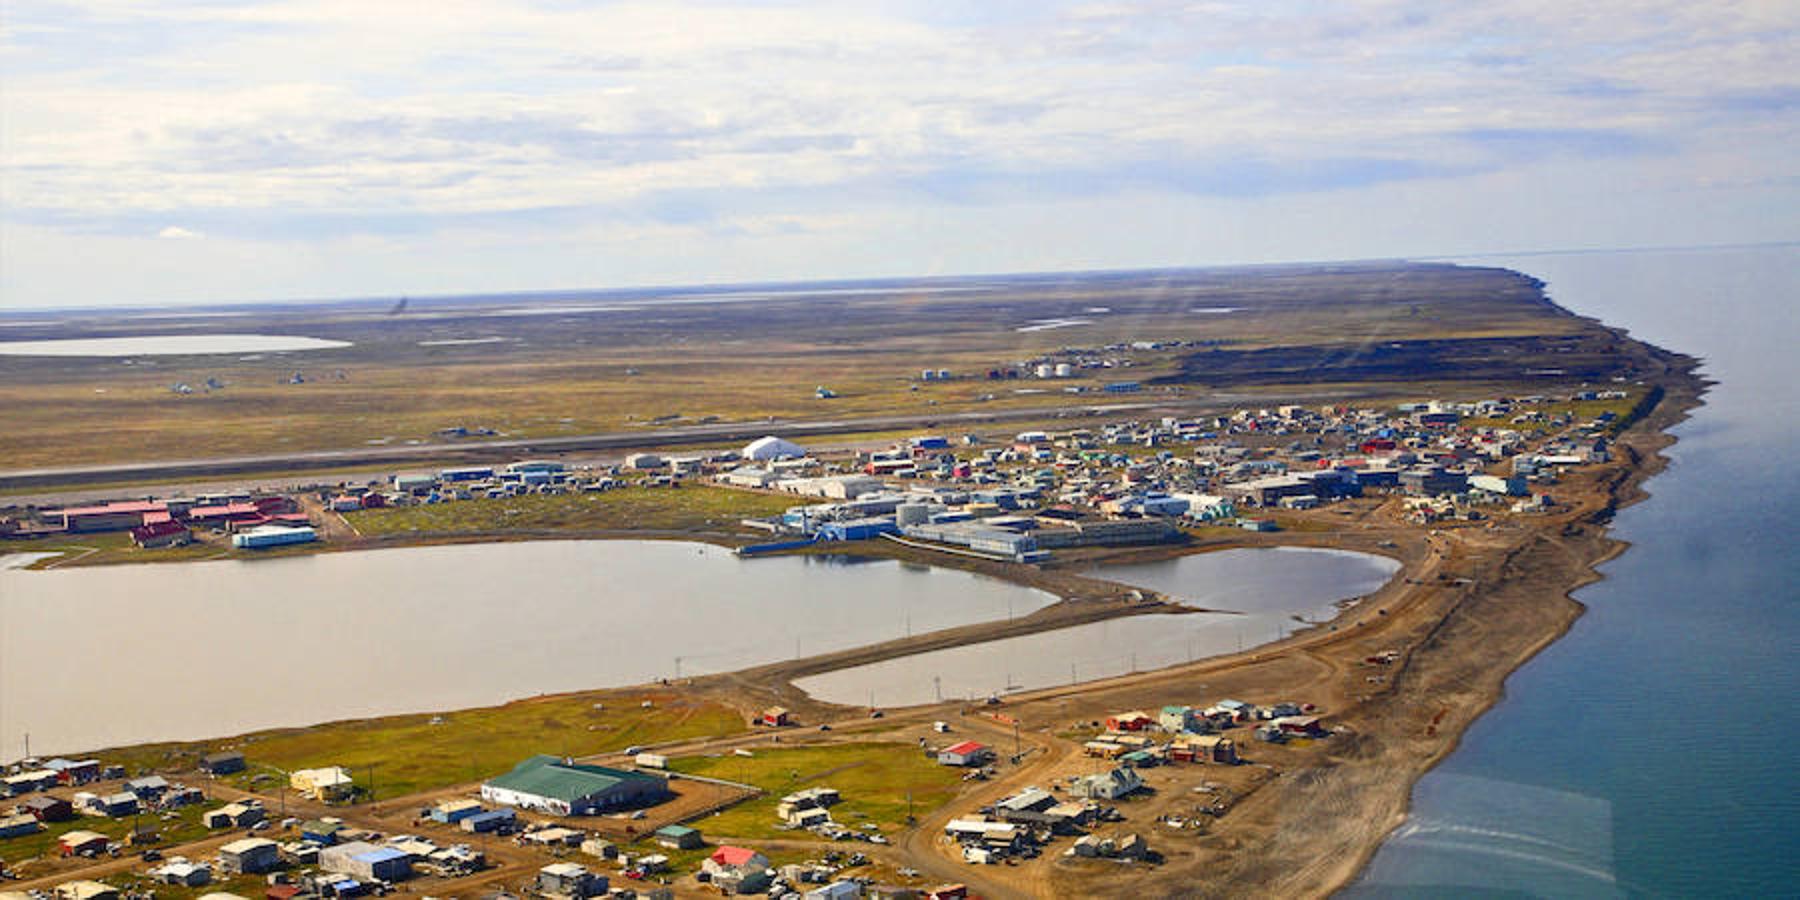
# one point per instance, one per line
(178, 233)
(305, 122)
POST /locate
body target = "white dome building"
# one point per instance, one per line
(771, 447)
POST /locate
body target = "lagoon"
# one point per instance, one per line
(1267, 591)
(168, 345)
(113, 655)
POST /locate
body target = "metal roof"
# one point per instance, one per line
(547, 776)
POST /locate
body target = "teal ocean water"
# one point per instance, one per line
(1653, 751)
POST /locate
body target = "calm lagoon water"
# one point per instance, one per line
(120, 654)
(1265, 589)
(1651, 752)
(168, 345)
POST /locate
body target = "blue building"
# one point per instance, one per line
(467, 473)
(857, 529)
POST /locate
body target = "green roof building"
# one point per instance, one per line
(560, 787)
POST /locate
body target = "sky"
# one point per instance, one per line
(189, 151)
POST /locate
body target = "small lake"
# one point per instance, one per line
(1265, 589)
(168, 345)
(115, 655)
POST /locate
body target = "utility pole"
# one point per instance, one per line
(937, 686)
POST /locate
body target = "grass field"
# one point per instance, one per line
(407, 754)
(185, 826)
(688, 508)
(581, 373)
(875, 780)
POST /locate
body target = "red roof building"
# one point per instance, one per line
(967, 753)
(161, 534)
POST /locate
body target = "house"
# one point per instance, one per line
(149, 787)
(181, 872)
(492, 820)
(1027, 807)
(1300, 726)
(570, 880)
(323, 832)
(679, 837)
(1104, 749)
(328, 784)
(70, 771)
(734, 861)
(1179, 719)
(559, 787)
(82, 843)
(1203, 749)
(553, 837)
(48, 808)
(222, 763)
(775, 717)
(967, 753)
(19, 825)
(1135, 720)
(250, 856)
(1106, 785)
(26, 782)
(234, 815)
(117, 806)
(451, 812)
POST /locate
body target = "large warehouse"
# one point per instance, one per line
(555, 786)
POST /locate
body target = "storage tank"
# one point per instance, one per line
(1064, 370)
(1046, 371)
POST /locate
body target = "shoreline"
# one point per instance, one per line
(1646, 441)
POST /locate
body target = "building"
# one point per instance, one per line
(1106, 785)
(570, 880)
(679, 837)
(1204, 749)
(967, 753)
(1178, 719)
(738, 861)
(26, 782)
(1429, 481)
(107, 516)
(74, 771)
(222, 763)
(19, 825)
(181, 872)
(82, 843)
(1135, 720)
(116, 806)
(265, 536)
(323, 832)
(775, 717)
(450, 812)
(492, 820)
(328, 784)
(559, 787)
(168, 533)
(367, 861)
(767, 448)
(149, 787)
(86, 890)
(234, 815)
(48, 808)
(643, 462)
(250, 856)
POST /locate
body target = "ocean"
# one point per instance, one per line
(1652, 751)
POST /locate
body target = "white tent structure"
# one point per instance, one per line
(771, 447)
